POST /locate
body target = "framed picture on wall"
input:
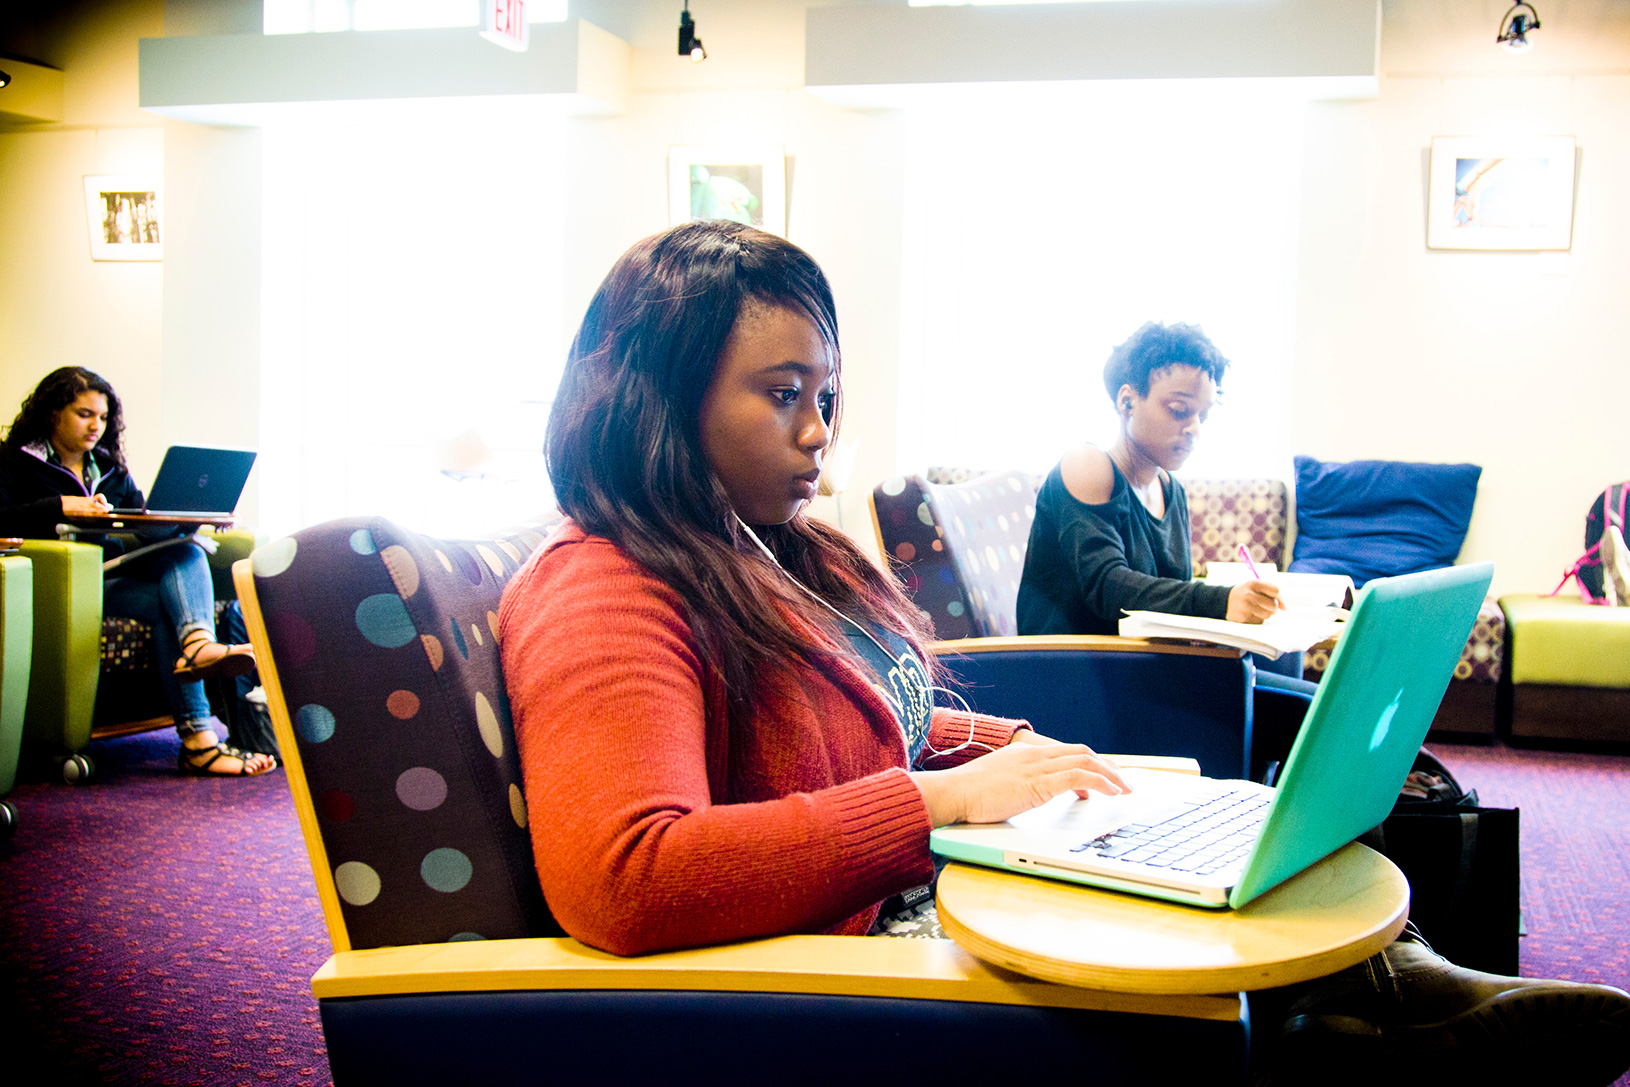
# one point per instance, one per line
(746, 184)
(124, 214)
(1500, 192)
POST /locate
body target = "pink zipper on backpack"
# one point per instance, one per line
(1592, 556)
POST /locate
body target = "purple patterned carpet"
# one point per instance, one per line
(1575, 854)
(163, 930)
(160, 929)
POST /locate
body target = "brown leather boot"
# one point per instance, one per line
(1408, 1009)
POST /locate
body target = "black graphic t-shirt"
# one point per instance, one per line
(902, 679)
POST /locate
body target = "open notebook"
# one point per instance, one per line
(1314, 612)
(1288, 632)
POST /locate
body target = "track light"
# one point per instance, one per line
(689, 44)
(4, 79)
(1514, 28)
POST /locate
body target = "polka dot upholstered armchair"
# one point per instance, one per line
(379, 660)
(957, 538)
(959, 547)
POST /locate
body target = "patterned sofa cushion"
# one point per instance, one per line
(944, 475)
(386, 655)
(960, 547)
(127, 645)
(908, 534)
(1480, 662)
(1225, 513)
(987, 528)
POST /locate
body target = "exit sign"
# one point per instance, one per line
(504, 22)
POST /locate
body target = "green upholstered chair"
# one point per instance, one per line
(16, 643)
(1567, 668)
(68, 672)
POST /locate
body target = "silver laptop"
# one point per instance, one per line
(198, 479)
(1213, 842)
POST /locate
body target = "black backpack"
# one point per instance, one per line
(1608, 509)
(1461, 860)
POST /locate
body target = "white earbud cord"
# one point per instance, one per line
(899, 714)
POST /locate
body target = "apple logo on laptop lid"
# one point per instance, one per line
(1384, 726)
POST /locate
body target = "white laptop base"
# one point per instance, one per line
(1175, 836)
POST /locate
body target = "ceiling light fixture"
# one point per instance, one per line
(1514, 28)
(689, 44)
(4, 79)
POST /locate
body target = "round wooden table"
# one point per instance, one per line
(1339, 912)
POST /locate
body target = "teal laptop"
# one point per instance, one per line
(1210, 842)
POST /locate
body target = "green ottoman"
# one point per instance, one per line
(16, 650)
(1569, 669)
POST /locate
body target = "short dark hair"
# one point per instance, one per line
(1153, 348)
(56, 390)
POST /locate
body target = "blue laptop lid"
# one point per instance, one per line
(200, 479)
(1367, 721)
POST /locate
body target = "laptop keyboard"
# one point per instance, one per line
(1210, 833)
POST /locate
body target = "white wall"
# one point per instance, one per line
(1508, 360)
(411, 275)
(1043, 228)
(57, 306)
(844, 186)
(211, 345)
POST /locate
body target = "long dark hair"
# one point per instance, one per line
(624, 451)
(37, 419)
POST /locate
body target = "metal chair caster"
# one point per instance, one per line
(78, 769)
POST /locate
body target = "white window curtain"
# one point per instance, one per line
(1044, 225)
(411, 326)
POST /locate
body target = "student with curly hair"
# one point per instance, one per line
(1111, 532)
(64, 455)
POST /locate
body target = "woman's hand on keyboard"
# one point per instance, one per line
(74, 505)
(1015, 779)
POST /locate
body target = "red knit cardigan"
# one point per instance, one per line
(652, 827)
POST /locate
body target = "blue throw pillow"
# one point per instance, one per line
(1380, 518)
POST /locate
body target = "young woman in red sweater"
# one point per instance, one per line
(723, 707)
(728, 699)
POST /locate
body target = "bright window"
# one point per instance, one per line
(1044, 225)
(411, 327)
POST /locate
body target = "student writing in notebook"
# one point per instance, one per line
(1111, 532)
(64, 455)
(723, 705)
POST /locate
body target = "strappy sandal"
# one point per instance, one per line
(187, 762)
(237, 660)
